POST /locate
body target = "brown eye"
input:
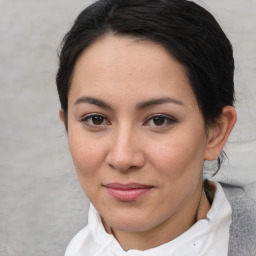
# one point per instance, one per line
(94, 120)
(97, 120)
(159, 120)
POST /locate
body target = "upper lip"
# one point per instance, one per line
(127, 186)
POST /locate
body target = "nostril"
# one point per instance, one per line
(126, 162)
(111, 166)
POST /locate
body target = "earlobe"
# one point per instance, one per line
(219, 133)
(63, 118)
(61, 115)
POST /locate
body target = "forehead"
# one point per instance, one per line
(123, 51)
(116, 65)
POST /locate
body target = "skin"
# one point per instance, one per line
(114, 136)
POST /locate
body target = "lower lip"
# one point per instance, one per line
(127, 195)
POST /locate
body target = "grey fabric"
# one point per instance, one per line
(243, 227)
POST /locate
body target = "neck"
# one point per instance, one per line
(195, 209)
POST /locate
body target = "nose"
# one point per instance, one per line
(125, 151)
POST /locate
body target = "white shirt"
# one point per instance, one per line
(209, 236)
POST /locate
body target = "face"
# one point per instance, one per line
(136, 134)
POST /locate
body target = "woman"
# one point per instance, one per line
(147, 94)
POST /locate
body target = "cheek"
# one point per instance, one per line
(179, 155)
(88, 159)
(87, 156)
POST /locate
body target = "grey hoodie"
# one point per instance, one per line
(243, 226)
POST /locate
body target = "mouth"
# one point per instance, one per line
(127, 192)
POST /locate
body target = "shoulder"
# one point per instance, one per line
(243, 227)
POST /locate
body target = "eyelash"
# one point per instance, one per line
(167, 120)
(86, 119)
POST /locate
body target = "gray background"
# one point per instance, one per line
(41, 203)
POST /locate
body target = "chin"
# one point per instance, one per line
(131, 226)
(129, 223)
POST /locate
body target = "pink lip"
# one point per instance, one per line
(127, 192)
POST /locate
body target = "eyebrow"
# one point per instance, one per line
(139, 106)
(159, 101)
(93, 101)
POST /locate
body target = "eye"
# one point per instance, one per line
(95, 120)
(160, 120)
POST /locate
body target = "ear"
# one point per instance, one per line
(219, 133)
(61, 115)
(63, 119)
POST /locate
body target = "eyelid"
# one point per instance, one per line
(170, 120)
(85, 118)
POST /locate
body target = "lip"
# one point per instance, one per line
(127, 192)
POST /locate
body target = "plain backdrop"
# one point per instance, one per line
(41, 203)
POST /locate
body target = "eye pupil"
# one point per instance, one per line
(158, 120)
(97, 120)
